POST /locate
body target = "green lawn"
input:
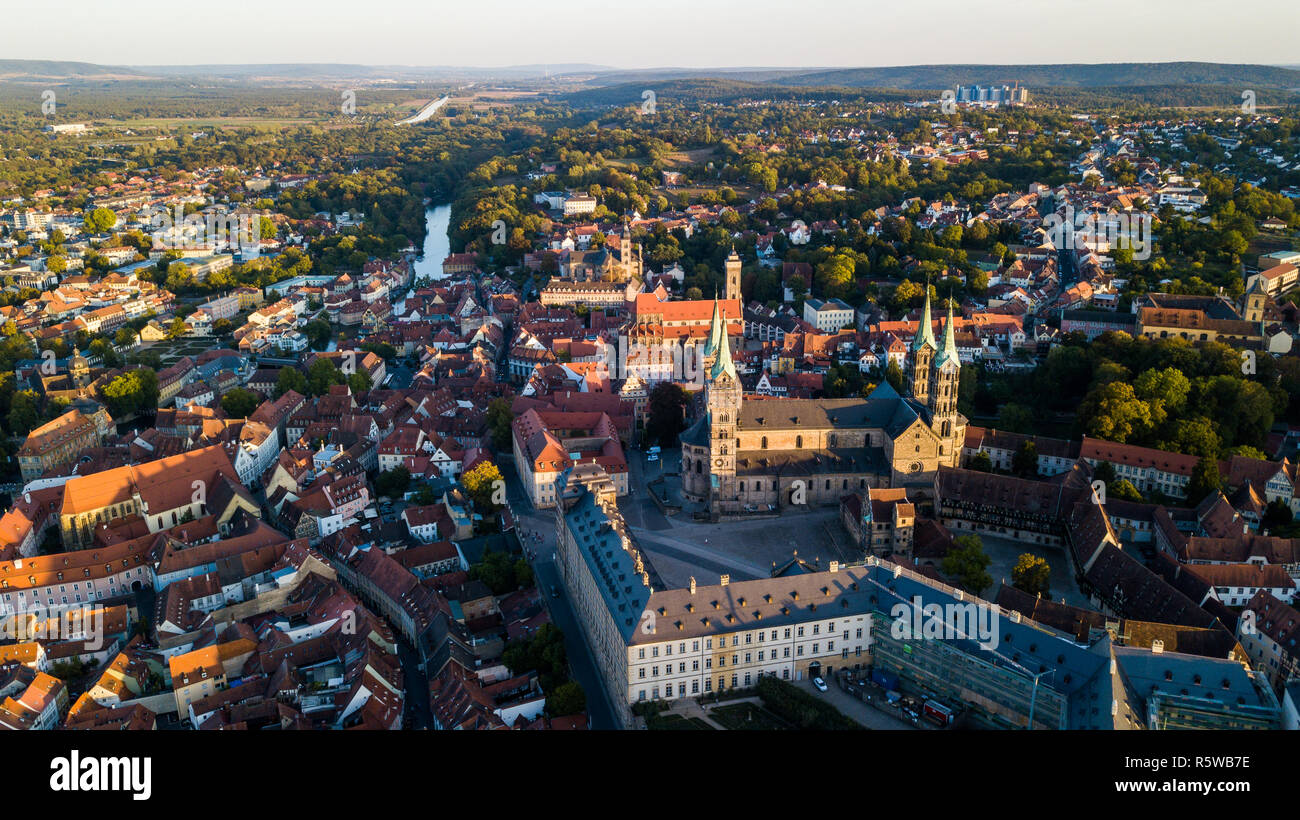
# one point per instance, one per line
(675, 723)
(747, 716)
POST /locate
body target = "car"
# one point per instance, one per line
(820, 684)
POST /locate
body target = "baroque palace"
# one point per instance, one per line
(744, 452)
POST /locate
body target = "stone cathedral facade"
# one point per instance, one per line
(744, 454)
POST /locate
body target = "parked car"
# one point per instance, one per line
(820, 684)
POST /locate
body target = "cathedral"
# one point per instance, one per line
(744, 454)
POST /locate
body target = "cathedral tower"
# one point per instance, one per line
(722, 397)
(922, 355)
(945, 379)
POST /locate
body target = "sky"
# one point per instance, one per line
(660, 33)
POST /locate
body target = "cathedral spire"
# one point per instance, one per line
(949, 342)
(924, 333)
(724, 363)
(715, 331)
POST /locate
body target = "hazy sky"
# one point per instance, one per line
(651, 34)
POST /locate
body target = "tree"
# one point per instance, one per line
(359, 382)
(321, 375)
(501, 574)
(290, 378)
(968, 564)
(1276, 514)
(982, 462)
(1123, 489)
(239, 403)
(482, 484)
(1165, 391)
(393, 483)
(132, 392)
(317, 333)
(834, 277)
(667, 413)
(567, 699)
(1205, 480)
(542, 652)
(1025, 461)
(499, 419)
(1114, 412)
(1016, 418)
(1031, 574)
(100, 220)
(894, 375)
(23, 414)
(1104, 471)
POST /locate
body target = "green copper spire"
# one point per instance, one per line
(924, 333)
(715, 332)
(949, 343)
(724, 363)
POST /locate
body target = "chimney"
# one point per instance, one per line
(692, 584)
(724, 580)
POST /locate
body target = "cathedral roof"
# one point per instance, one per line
(884, 410)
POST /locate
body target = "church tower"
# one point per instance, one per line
(722, 398)
(627, 270)
(922, 356)
(1253, 301)
(732, 267)
(945, 379)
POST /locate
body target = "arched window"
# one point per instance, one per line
(830, 440)
(764, 445)
(798, 441)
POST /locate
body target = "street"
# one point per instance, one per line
(581, 666)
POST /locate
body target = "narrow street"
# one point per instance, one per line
(581, 665)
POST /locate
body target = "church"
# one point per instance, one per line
(743, 454)
(619, 264)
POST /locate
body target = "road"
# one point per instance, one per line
(862, 712)
(582, 667)
(426, 112)
(419, 712)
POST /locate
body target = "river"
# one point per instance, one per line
(437, 246)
